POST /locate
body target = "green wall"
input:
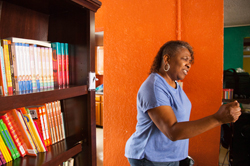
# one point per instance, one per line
(233, 46)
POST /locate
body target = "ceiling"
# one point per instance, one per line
(236, 13)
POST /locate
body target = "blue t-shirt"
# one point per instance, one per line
(148, 141)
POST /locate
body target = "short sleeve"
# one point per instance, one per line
(153, 94)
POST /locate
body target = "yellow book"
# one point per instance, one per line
(5, 151)
(7, 65)
(33, 131)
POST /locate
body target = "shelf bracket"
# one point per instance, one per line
(92, 79)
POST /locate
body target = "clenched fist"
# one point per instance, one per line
(228, 113)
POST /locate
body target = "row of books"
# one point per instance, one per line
(30, 130)
(27, 65)
(69, 162)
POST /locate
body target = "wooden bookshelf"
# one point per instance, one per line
(65, 21)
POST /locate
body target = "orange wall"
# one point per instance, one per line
(133, 33)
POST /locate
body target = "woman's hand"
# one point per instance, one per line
(228, 113)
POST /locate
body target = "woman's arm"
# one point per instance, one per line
(164, 118)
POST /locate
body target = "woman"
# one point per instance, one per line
(163, 111)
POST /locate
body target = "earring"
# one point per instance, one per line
(167, 68)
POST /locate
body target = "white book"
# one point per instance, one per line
(30, 41)
(40, 67)
(28, 67)
(47, 67)
(32, 67)
(16, 66)
(45, 83)
(71, 161)
(25, 67)
(20, 67)
(36, 65)
(51, 68)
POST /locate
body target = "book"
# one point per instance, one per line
(11, 65)
(10, 124)
(36, 114)
(32, 66)
(66, 63)
(36, 61)
(48, 122)
(71, 161)
(4, 150)
(29, 41)
(23, 132)
(7, 133)
(16, 66)
(60, 121)
(51, 123)
(57, 63)
(40, 67)
(20, 67)
(47, 69)
(7, 142)
(63, 63)
(55, 120)
(45, 122)
(7, 65)
(2, 157)
(51, 68)
(3, 80)
(40, 135)
(33, 130)
(44, 75)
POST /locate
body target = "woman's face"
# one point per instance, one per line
(180, 64)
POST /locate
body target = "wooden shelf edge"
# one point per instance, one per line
(244, 101)
(22, 100)
(64, 156)
(93, 5)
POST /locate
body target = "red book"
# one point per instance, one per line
(10, 124)
(57, 63)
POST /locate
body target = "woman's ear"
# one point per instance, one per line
(166, 58)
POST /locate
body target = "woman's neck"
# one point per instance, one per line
(168, 79)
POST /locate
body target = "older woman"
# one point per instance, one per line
(163, 111)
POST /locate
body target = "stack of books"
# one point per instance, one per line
(27, 65)
(30, 130)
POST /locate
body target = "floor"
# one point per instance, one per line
(99, 146)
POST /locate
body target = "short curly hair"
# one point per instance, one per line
(170, 48)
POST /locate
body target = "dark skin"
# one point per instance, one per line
(164, 117)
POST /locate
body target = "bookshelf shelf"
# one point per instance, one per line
(244, 101)
(22, 100)
(64, 21)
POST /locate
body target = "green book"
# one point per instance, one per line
(7, 143)
(10, 138)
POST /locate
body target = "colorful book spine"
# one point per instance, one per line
(39, 53)
(4, 150)
(36, 60)
(47, 68)
(11, 53)
(63, 59)
(59, 118)
(24, 133)
(7, 65)
(33, 130)
(2, 158)
(32, 67)
(54, 113)
(42, 126)
(21, 83)
(13, 132)
(3, 80)
(67, 63)
(46, 116)
(43, 56)
(51, 68)
(7, 142)
(16, 66)
(45, 125)
(57, 64)
(51, 123)
(40, 135)
(10, 138)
